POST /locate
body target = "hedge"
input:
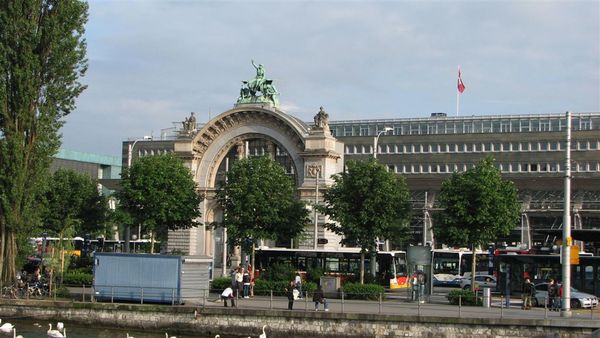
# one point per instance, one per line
(77, 278)
(363, 291)
(467, 297)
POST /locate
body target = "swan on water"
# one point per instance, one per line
(128, 336)
(55, 333)
(6, 327)
(167, 336)
(60, 326)
(263, 335)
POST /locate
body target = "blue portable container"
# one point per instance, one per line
(138, 277)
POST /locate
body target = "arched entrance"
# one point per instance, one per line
(305, 152)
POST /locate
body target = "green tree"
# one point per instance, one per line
(73, 206)
(159, 193)
(42, 57)
(477, 207)
(258, 202)
(367, 203)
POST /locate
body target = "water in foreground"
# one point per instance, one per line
(33, 328)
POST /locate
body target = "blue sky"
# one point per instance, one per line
(151, 63)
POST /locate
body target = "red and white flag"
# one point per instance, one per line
(461, 85)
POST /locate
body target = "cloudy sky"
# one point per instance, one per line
(151, 63)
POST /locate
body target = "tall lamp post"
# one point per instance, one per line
(129, 155)
(385, 130)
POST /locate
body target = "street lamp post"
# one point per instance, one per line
(385, 130)
(129, 159)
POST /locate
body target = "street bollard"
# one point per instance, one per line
(271, 300)
(501, 306)
(112, 294)
(204, 299)
(342, 301)
(142, 296)
(172, 297)
(82, 293)
(380, 303)
(419, 308)
(459, 306)
(545, 308)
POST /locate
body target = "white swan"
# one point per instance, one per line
(60, 326)
(263, 335)
(128, 336)
(6, 327)
(217, 336)
(15, 334)
(167, 336)
(55, 333)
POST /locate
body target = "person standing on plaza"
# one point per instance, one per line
(290, 295)
(319, 298)
(298, 284)
(528, 292)
(552, 294)
(239, 281)
(246, 281)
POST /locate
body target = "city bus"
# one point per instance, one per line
(391, 269)
(541, 267)
(454, 263)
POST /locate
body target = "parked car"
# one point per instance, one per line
(578, 299)
(446, 280)
(481, 281)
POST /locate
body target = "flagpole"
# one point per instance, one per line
(458, 97)
(457, 102)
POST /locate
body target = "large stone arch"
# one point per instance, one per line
(218, 136)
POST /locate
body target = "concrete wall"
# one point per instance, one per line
(210, 321)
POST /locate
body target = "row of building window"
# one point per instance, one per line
(152, 152)
(477, 125)
(471, 147)
(504, 167)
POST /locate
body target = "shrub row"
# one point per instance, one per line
(77, 278)
(467, 297)
(363, 291)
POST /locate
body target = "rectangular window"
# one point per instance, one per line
(525, 124)
(460, 148)
(544, 146)
(443, 168)
(364, 131)
(497, 147)
(553, 145)
(594, 145)
(452, 148)
(544, 125)
(505, 126)
(506, 146)
(434, 168)
(348, 131)
(533, 167)
(468, 127)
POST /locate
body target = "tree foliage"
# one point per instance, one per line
(159, 193)
(73, 206)
(258, 202)
(477, 207)
(367, 203)
(42, 57)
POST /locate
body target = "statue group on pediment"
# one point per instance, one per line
(322, 120)
(189, 124)
(259, 89)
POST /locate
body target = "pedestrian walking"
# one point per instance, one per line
(527, 292)
(239, 281)
(298, 284)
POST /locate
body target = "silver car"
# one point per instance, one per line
(578, 299)
(481, 281)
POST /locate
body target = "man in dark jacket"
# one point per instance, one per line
(319, 298)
